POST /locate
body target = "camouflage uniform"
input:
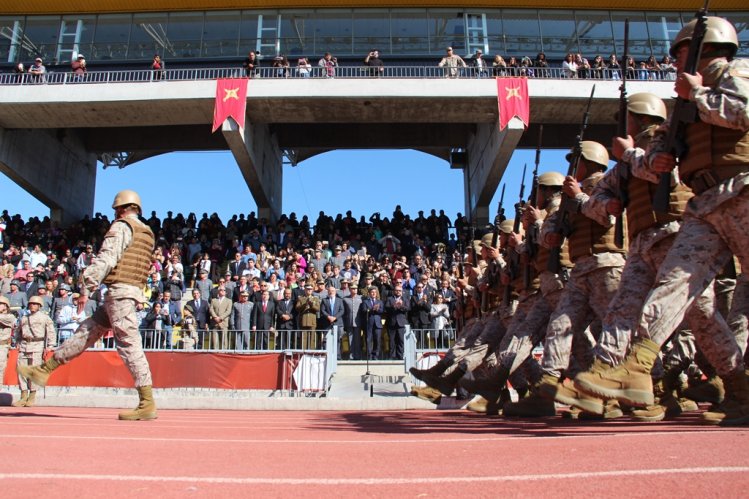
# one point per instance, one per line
(34, 334)
(710, 232)
(119, 305)
(592, 284)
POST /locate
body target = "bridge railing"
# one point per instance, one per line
(347, 72)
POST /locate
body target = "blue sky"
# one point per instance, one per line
(361, 181)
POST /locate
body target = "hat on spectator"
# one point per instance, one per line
(302, 277)
(308, 286)
(368, 276)
(337, 248)
(81, 56)
(76, 296)
(15, 282)
(228, 272)
(320, 281)
(38, 59)
(371, 288)
(346, 281)
(204, 271)
(244, 293)
(64, 287)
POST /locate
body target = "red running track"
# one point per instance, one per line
(69, 452)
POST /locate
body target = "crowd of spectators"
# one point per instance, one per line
(573, 65)
(197, 261)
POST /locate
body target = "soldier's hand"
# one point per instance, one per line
(553, 240)
(685, 82)
(614, 207)
(621, 144)
(530, 216)
(571, 187)
(663, 162)
(514, 240)
(492, 252)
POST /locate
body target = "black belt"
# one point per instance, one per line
(707, 178)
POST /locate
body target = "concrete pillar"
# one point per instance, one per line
(489, 151)
(54, 166)
(259, 158)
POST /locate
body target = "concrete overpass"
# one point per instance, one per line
(51, 135)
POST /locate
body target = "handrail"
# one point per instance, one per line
(344, 72)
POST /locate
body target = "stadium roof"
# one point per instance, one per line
(101, 6)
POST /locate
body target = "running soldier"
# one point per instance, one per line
(122, 264)
(716, 167)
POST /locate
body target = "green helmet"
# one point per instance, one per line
(718, 30)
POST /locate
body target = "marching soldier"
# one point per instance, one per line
(34, 335)
(122, 264)
(7, 322)
(716, 167)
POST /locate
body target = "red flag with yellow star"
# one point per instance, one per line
(513, 100)
(231, 100)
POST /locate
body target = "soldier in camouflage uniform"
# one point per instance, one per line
(34, 335)
(122, 264)
(716, 167)
(7, 322)
(598, 263)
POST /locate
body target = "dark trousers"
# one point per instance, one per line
(374, 342)
(397, 334)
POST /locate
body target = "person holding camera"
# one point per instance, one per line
(328, 63)
(78, 67)
(375, 64)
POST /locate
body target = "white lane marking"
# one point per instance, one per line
(373, 481)
(377, 441)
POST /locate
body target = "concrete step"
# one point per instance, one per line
(376, 367)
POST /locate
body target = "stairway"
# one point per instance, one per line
(387, 378)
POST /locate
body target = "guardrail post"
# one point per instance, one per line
(409, 349)
(331, 355)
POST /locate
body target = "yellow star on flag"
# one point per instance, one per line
(231, 93)
(512, 92)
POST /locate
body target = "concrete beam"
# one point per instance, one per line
(259, 158)
(489, 150)
(54, 167)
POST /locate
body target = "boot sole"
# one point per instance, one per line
(144, 417)
(650, 419)
(586, 405)
(636, 398)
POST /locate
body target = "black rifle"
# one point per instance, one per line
(513, 257)
(531, 235)
(569, 205)
(621, 131)
(684, 112)
(499, 218)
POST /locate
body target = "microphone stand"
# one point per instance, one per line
(368, 374)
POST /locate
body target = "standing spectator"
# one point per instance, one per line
(651, 67)
(303, 67)
(478, 64)
(452, 62)
(420, 306)
(542, 65)
(630, 68)
(220, 313)
(499, 66)
(352, 324)
(668, 70)
(372, 308)
(281, 66)
(251, 65)
(328, 63)
(157, 66)
(397, 307)
(286, 322)
(307, 307)
(569, 66)
(17, 298)
(614, 67)
(198, 310)
(204, 285)
(78, 67)
(583, 66)
(37, 71)
(70, 316)
(85, 258)
(375, 64)
(331, 310)
(242, 321)
(61, 301)
(513, 66)
(158, 327)
(597, 67)
(440, 315)
(264, 320)
(19, 71)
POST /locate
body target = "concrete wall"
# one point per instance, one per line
(54, 167)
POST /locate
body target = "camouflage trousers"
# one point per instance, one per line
(737, 317)
(127, 339)
(29, 358)
(471, 350)
(701, 249)
(3, 362)
(585, 297)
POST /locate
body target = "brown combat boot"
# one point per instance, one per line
(21, 402)
(734, 410)
(39, 374)
(489, 407)
(32, 398)
(436, 370)
(446, 384)
(479, 404)
(146, 409)
(565, 393)
(711, 390)
(490, 386)
(538, 404)
(427, 393)
(611, 410)
(630, 382)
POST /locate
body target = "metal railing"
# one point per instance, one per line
(420, 343)
(346, 72)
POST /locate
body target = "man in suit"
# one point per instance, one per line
(175, 314)
(219, 312)
(397, 307)
(204, 285)
(448, 295)
(263, 322)
(241, 321)
(372, 309)
(331, 312)
(236, 266)
(242, 286)
(352, 323)
(286, 322)
(307, 307)
(420, 305)
(198, 308)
